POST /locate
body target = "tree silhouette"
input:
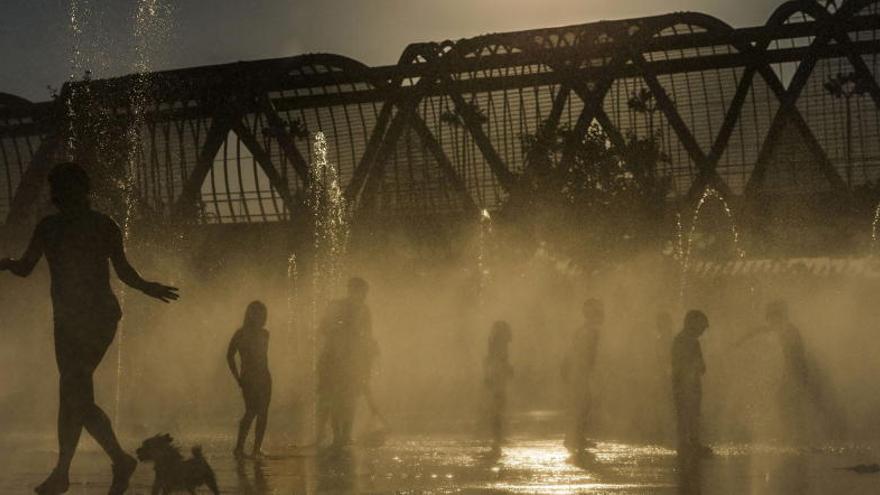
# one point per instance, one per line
(600, 201)
(456, 118)
(643, 102)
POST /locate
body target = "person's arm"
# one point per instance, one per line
(231, 351)
(25, 265)
(130, 276)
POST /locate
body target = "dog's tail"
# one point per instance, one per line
(210, 480)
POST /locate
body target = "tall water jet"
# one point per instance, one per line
(148, 28)
(874, 225)
(483, 268)
(331, 234)
(292, 287)
(685, 243)
(77, 69)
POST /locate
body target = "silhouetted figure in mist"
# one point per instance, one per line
(577, 371)
(498, 373)
(799, 385)
(78, 242)
(688, 369)
(251, 343)
(344, 362)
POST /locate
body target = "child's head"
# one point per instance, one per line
(500, 336)
(255, 315)
(69, 186)
(696, 322)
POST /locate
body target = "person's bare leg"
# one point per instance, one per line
(97, 423)
(322, 418)
(260, 431)
(99, 427)
(336, 425)
(262, 419)
(243, 427)
(69, 431)
(347, 421)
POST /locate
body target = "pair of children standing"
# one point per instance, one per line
(577, 371)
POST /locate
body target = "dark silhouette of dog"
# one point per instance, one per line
(173, 472)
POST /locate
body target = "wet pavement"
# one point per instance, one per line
(447, 464)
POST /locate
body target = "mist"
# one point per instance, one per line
(432, 319)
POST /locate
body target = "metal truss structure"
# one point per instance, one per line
(747, 111)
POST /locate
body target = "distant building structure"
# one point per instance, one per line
(748, 111)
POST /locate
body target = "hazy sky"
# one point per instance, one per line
(35, 35)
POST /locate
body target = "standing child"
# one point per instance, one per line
(251, 343)
(498, 374)
(577, 371)
(688, 369)
(79, 245)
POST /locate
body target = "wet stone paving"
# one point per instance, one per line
(447, 464)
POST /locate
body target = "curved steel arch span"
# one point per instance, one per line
(742, 110)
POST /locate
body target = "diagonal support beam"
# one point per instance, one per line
(593, 102)
(788, 114)
(861, 68)
(368, 159)
(471, 121)
(279, 132)
(376, 171)
(265, 161)
(839, 31)
(33, 182)
(667, 106)
(706, 170)
(614, 134)
(559, 101)
(186, 206)
(734, 111)
(418, 125)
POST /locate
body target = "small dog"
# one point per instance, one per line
(173, 473)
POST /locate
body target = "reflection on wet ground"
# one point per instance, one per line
(447, 464)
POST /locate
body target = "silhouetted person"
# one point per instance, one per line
(690, 476)
(799, 383)
(577, 370)
(251, 343)
(688, 369)
(78, 242)
(344, 361)
(498, 373)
